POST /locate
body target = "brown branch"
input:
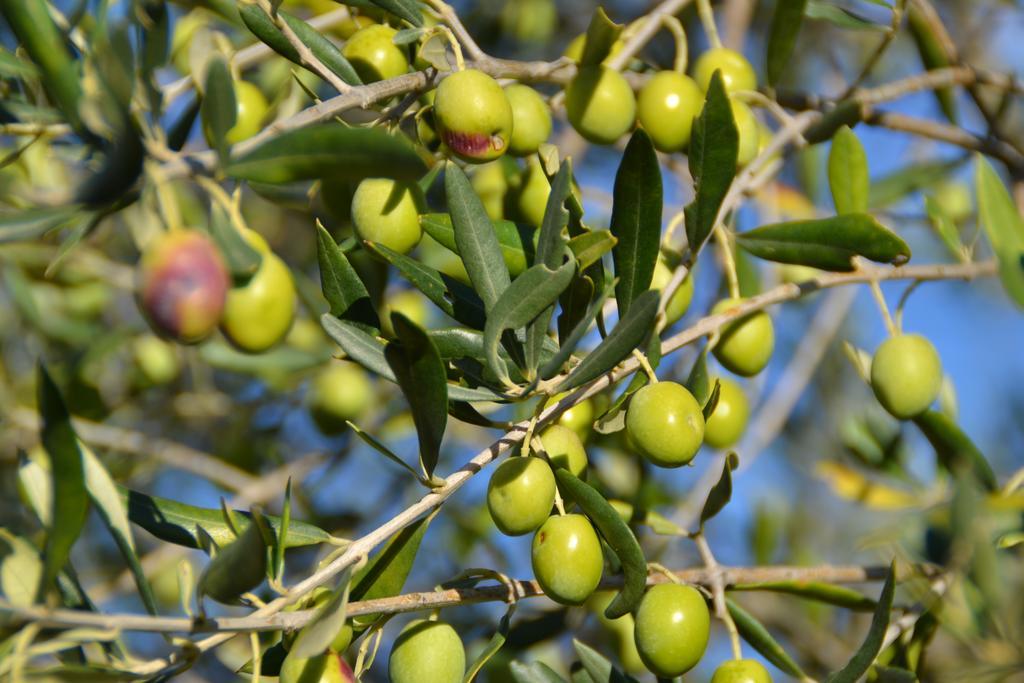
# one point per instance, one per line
(428, 600)
(646, 30)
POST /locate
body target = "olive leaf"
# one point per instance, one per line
(721, 492)
(840, 596)
(636, 219)
(868, 651)
(598, 668)
(1004, 227)
(785, 27)
(848, 173)
(240, 566)
(601, 35)
(218, 109)
(515, 241)
(933, 55)
(954, 448)
(317, 634)
(754, 632)
(344, 290)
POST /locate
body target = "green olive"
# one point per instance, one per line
(565, 449)
(157, 360)
(531, 119)
(672, 628)
(374, 55)
(259, 314)
(326, 668)
(906, 375)
(491, 185)
(745, 345)
(666, 107)
(473, 116)
(680, 301)
(388, 212)
(520, 495)
(567, 559)
(185, 30)
(600, 104)
(579, 418)
(665, 424)
(427, 652)
(726, 424)
(737, 74)
(339, 392)
(250, 110)
(741, 671)
(532, 195)
(749, 132)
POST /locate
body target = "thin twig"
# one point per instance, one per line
(718, 593)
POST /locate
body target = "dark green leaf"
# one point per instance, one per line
(814, 590)
(409, 10)
(29, 224)
(329, 150)
(421, 376)
(865, 656)
(554, 365)
(754, 632)
(385, 574)
(242, 257)
(550, 252)
(475, 238)
(179, 523)
(636, 219)
(698, 382)
(597, 665)
(495, 644)
(516, 241)
(218, 109)
(708, 409)
(600, 38)
(117, 175)
(281, 537)
(847, 113)
(714, 148)
(786, 20)
(619, 538)
(264, 28)
(848, 173)
(70, 500)
(839, 16)
(240, 566)
(1004, 226)
(954, 448)
(826, 243)
(536, 672)
(933, 56)
(721, 492)
(345, 292)
(450, 295)
(630, 332)
(270, 661)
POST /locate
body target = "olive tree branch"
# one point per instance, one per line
(646, 29)
(306, 55)
(717, 586)
(363, 546)
(749, 577)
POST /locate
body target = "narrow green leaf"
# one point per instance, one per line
(848, 173)
(698, 382)
(332, 151)
(954, 448)
(589, 247)
(422, 378)
(826, 243)
(554, 365)
(409, 10)
(475, 238)
(754, 632)
(385, 574)
(528, 296)
(839, 596)
(243, 259)
(218, 109)
(944, 226)
(239, 566)
(345, 292)
(70, 498)
(601, 35)
(714, 148)
(708, 409)
(317, 634)
(13, 67)
(281, 538)
(28, 224)
(379, 446)
(895, 186)
(515, 241)
(721, 492)
(933, 56)
(785, 27)
(597, 665)
(550, 250)
(840, 16)
(630, 332)
(451, 296)
(178, 523)
(865, 656)
(619, 537)
(535, 672)
(636, 219)
(1004, 226)
(496, 642)
(847, 113)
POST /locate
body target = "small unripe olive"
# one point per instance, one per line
(185, 30)
(680, 301)
(745, 345)
(473, 116)
(520, 495)
(156, 359)
(565, 449)
(374, 55)
(532, 195)
(672, 627)
(183, 284)
(427, 652)
(579, 418)
(259, 314)
(326, 668)
(600, 104)
(355, 22)
(749, 132)
(726, 424)
(531, 119)
(341, 391)
(250, 110)
(741, 671)
(491, 185)
(665, 424)
(388, 212)
(737, 74)
(906, 375)
(567, 559)
(666, 107)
